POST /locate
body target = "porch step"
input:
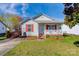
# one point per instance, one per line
(41, 37)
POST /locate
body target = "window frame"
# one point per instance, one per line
(29, 27)
(52, 27)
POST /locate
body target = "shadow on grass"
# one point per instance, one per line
(76, 43)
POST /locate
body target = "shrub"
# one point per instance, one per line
(76, 43)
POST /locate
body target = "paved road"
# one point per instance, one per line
(5, 46)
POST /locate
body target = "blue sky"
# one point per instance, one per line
(53, 10)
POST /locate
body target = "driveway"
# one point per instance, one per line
(8, 44)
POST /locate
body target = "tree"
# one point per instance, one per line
(12, 21)
(71, 11)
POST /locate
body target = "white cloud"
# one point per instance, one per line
(24, 9)
(4, 6)
(9, 8)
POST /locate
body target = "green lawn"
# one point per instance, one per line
(3, 37)
(64, 47)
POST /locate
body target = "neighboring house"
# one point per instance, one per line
(3, 28)
(73, 30)
(41, 25)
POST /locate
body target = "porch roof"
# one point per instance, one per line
(46, 21)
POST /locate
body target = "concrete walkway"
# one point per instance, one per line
(7, 45)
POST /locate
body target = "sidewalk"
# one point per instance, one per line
(8, 44)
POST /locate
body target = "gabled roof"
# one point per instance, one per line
(46, 19)
(25, 21)
(42, 20)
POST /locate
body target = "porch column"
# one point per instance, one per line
(45, 30)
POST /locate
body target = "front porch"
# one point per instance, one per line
(49, 29)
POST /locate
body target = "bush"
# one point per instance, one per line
(76, 43)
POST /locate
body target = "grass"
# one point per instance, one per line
(3, 37)
(48, 47)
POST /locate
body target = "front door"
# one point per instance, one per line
(41, 30)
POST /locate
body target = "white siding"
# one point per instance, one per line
(44, 19)
(73, 30)
(2, 28)
(65, 28)
(23, 28)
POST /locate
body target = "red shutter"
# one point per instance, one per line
(26, 27)
(46, 27)
(32, 27)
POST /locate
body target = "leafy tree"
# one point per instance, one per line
(71, 11)
(15, 21)
(12, 21)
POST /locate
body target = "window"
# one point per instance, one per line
(54, 27)
(29, 28)
(51, 27)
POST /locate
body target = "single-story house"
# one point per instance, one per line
(41, 25)
(3, 27)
